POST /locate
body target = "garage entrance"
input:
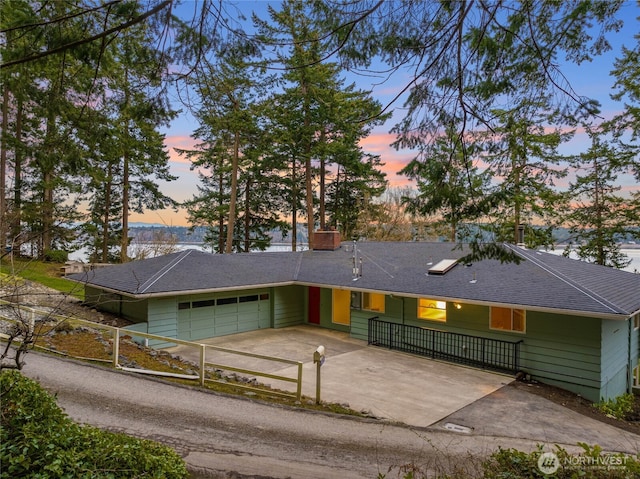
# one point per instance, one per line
(206, 318)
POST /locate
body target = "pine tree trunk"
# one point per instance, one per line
(234, 192)
(3, 165)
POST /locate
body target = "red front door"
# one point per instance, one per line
(314, 305)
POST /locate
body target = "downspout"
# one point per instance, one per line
(629, 358)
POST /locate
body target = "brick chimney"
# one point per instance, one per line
(326, 240)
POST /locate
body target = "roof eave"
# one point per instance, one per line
(201, 291)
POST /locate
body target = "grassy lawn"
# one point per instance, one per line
(41, 272)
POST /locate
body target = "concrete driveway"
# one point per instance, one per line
(388, 384)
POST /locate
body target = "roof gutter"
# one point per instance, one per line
(164, 294)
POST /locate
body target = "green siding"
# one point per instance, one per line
(102, 300)
(135, 310)
(563, 351)
(359, 325)
(132, 309)
(616, 354)
(289, 306)
(163, 320)
(635, 346)
(141, 328)
(393, 312)
(326, 312)
(635, 341)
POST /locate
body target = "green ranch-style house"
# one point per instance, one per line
(556, 320)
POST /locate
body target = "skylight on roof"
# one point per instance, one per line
(443, 266)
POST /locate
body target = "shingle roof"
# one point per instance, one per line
(193, 270)
(542, 280)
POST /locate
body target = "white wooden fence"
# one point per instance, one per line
(10, 313)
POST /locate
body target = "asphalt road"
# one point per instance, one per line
(222, 436)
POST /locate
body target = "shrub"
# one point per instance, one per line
(37, 439)
(591, 463)
(56, 256)
(619, 407)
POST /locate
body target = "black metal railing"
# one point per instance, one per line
(476, 351)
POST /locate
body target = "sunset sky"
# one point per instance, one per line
(591, 80)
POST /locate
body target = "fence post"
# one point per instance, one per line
(202, 361)
(32, 321)
(116, 346)
(299, 389)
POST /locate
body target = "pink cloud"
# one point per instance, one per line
(377, 143)
(394, 160)
(181, 142)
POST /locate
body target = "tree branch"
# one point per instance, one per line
(103, 34)
(60, 19)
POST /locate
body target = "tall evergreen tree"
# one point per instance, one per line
(448, 181)
(627, 88)
(599, 216)
(57, 121)
(328, 120)
(523, 159)
(625, 127)
(50, 96)
(129, 150)
(228, 157)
